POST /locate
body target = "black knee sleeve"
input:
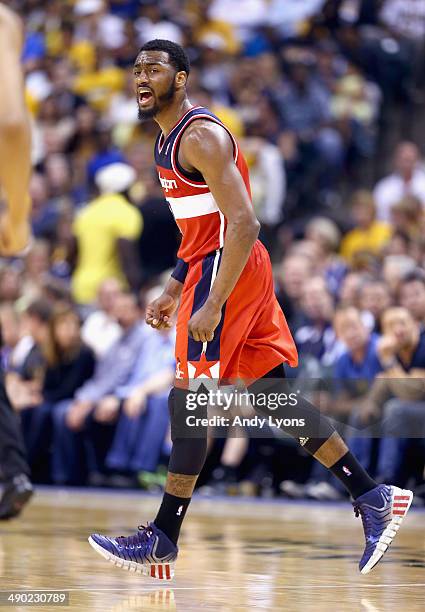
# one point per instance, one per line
(189, 445)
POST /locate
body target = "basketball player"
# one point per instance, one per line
(15, 168)
(229, 323)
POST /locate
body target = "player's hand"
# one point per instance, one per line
(160, 311)
(202, 324)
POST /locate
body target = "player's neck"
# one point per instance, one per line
(169, 116)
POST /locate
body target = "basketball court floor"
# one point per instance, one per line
(235, 555)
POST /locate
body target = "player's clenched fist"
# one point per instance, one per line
(203, 323)
(160, 311)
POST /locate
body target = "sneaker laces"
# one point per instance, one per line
(359, 510)
(139, 538)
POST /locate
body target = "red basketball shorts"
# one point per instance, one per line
(252, 337)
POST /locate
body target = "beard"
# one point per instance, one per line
(160, 103)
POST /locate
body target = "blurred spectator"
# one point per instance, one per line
(105, 232)
(10, 283)
(412, 295)
(72, 420)
(143, 420)
(324, 233)
(36, 269)
(316, 341)
(407, 216)
(369, 235)
(69, 362)
(395, 267)
(358, 365)
(350, 289)
(374, 298)
(402, 355)
(292, 277)
(408, 179)
(36, 321)
(100, 329)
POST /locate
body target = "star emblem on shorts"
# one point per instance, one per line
(203, 367)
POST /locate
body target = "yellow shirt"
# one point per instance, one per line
(370, 240)
(97, 228)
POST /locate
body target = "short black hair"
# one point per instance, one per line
(176, 53)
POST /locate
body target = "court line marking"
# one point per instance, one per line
(204, 588)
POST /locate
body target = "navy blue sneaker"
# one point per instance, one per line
(149, 552)
(382, 510)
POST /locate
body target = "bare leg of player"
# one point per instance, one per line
(15, 169)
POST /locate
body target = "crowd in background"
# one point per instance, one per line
(325, 98)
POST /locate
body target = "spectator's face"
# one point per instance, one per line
(317, 301)
(406, 159)
(350, 289)
(294, 273)
(363, 214)
(10, 285)
(412, 297)
(10, 328)
(126, 312)
(156, 82)
(108, 293)
(37, 329)
(399, 323)
(375, 298)
(37, 261)
(67, 331)
(350, 329)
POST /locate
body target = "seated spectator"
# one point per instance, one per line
(36, 269)
(35, 323)
(73, 419)
(10, 336)
(407, 216)
(316, 341)
(374, 298)
(408, 178)
(394, 269)
(292, 275)
(105, 234)
(350, 289)
(354, 372)
(412, 295)
(68, 364)
(369, 235)
(325, 234)
(10, 284)
(143, 419)
(399, 393)
(101, 330)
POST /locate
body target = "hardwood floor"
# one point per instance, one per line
(235, 555)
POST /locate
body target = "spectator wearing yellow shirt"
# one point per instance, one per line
(369, 235)
(105, 234)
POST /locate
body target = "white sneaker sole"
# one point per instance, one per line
(158, 571)
(400, 503)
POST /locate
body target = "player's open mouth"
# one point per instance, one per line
(145, 96)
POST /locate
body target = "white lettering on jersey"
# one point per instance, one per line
(167, 184)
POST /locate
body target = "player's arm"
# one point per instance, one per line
(208, 148)
(15, 139)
